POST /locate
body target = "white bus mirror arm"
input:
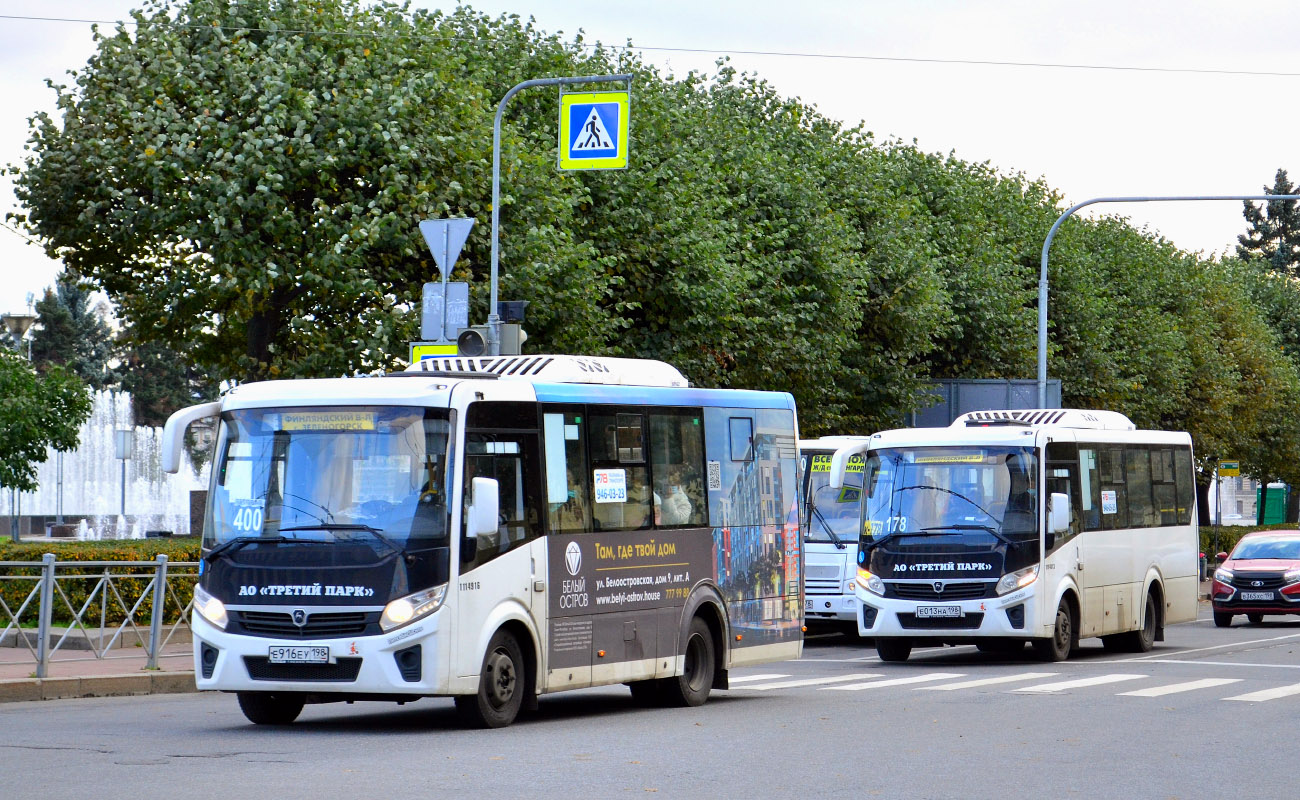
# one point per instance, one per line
(173, 440)
(841, 459)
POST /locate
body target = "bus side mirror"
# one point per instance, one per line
(1058, 513)
(481, 516)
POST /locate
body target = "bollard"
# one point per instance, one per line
(45, 614)
(159, 600)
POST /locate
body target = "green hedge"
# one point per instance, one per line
(14, 592)
(1229, 535)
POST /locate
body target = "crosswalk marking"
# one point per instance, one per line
(1268, 694)
(1024, 676)
(751, 678)
(763, 687)
(1047, 688)
(1174, 688)
(932, 676)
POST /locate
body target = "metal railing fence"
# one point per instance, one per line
(51, 608)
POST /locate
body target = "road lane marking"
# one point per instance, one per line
(1154, 656)
(763, 687)
(1268, 694)
(931, 676)
(748, 678)
(1221, 663)
(1175, 688)
(1024, 676)
(1048, 688)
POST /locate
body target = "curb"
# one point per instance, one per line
(16, 690)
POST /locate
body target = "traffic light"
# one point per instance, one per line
(473, 341)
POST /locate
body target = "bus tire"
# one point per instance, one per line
(893, 649)
(1222, 619)
(691, 688)
(1254, 619)
(1057, 647)
(501, 687)
(1140, 640)
(270, 708)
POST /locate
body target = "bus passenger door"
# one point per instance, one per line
(506, 563)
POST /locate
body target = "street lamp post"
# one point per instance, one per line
(1047, 244)
(17, 326)
(122, 444)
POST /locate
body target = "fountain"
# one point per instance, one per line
(92, 480)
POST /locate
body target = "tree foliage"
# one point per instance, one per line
(69, 332)
(245, 181)
(37, 411)
(1274, 229)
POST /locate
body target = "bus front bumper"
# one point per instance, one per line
(1010, 616)
(404, 661)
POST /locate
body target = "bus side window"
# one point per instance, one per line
(620, 479)
(677, 468)
(1089, 489)
(1114, 491)
(568, 489)
(1063, 478)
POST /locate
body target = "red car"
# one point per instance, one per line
(1262, 576)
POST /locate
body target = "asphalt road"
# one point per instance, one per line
(1207, 713)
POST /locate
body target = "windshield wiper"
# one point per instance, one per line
(837, 541)
(334, 527)
(984, 510)
(994, 532)
(231, 545)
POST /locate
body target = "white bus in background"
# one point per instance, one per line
(830, 540)
(1044, 526)
(494, 529)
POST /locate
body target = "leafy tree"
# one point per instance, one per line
(37, 411)
(161, 381)
(1274, 234)
(71, 333)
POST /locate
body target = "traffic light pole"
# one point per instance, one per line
(494, 319)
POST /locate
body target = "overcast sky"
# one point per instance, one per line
(1193, 110)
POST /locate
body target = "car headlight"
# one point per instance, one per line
(210, 608)
(1223, 575)
(1017, 580)
(410, 608)
(872, 583)
(1292, 576)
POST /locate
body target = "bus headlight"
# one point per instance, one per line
(872, 583)
(210, 608)
(412, 607)
(1017, 580)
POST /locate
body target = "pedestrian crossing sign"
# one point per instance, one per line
(594, 130)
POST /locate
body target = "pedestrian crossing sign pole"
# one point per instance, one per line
(594, 130)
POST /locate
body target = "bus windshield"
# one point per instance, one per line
(833, 515)
(359, 474)
(974, 497)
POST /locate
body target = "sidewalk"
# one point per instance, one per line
(74, 675)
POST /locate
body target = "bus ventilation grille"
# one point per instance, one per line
(1021, 417)
(496, 365)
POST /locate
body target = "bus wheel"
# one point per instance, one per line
(1222, 620)
(270, 708)
(1058, 646)
(500, 687)
(1255, 619)
(1138, 641)
(893, 649)
(691, 688)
